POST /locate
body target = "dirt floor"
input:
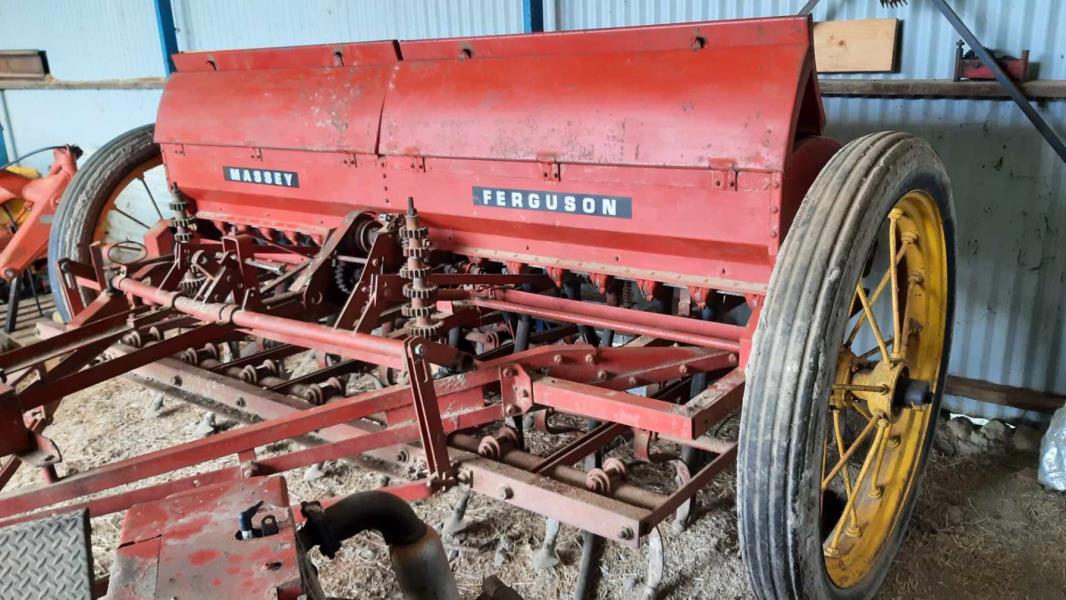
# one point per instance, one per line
(984, 527)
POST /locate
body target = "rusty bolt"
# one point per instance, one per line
(510, 409)
(509, 372)
(625, 533)
(683, 369)
(601, 374)
(505, 492)
(557, 359)
(732, 359)
(633, 381)
(590, 358)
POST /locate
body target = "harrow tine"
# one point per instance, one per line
(546, 557)
(656, 565)
(455, 524)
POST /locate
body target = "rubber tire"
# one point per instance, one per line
(793, 358)
(79, 209)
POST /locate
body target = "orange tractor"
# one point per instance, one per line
(27, 205)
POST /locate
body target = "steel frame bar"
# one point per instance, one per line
(237, 440)
(695, 332)
(700, 479)
(54, 387)
(586, 444)
(602, 515)
(613, 406)
(278, 352)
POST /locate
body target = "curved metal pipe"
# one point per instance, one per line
(418, 557)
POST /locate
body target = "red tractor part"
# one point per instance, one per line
(30, 223)
(504, 231)
(239, 540)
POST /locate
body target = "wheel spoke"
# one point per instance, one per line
(151, 197)
(873, 323)
(874, 489)
(906, 331)
(847, 455)
(879, 440)
(862, 411)
(871, 351)
(893, 271)
(881, 285)
(131, 217)
(839, 436)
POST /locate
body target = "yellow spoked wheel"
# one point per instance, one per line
(845, 374)
(887, 388)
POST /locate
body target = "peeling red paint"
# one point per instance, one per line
(202, 557)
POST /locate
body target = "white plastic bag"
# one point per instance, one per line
(1052, 473)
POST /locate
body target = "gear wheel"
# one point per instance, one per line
(345, 275)
(413, 312)
(425, 293)
(426, 331)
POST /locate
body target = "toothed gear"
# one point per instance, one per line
(345, 275)
(417, 233)
(417, 252)
(409, 273)
(190, 286)
(414, 312)
(424, 293)
(426, 331)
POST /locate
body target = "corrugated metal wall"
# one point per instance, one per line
(214, 25)
(84, 41)
(1009, 185)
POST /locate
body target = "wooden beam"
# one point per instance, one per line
(937, 88)
(50, 83)
(855, 46)
(996, 393)
(22, 64)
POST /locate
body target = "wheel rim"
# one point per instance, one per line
(136, 205)
(880, 408)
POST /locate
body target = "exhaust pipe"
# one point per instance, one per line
(418, 557)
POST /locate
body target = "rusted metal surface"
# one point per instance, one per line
(377, 120)
(185, 546)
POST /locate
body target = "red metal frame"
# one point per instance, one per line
(704, 157)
